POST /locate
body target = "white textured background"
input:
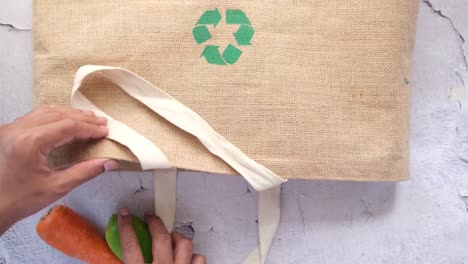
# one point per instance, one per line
(424, 220)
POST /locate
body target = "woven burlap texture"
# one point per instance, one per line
(323, 92)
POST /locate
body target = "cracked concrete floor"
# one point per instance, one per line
(424, 220)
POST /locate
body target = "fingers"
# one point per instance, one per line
(130, 246)
(183, 249)
(70, 178)
(167, 249)
(162, 246)
(64, 131)
(49, 114)
(198, 259)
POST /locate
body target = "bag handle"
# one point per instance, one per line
(150, 156)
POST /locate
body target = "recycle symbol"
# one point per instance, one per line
(231, 53)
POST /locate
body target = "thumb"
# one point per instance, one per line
(72, 177)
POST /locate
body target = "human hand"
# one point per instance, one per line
(27, 182)
(167, 248)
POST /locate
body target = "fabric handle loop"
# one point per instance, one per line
(178, 114)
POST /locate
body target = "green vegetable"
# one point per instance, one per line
(141, 231)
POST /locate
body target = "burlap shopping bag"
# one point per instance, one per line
(308, 89)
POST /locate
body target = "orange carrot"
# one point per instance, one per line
(74, 236)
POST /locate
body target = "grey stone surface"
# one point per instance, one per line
(424, 220)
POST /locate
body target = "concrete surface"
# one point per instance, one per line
(424, 220)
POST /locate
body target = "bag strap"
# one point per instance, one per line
(165, 195)
(268, 222)
(150, 156)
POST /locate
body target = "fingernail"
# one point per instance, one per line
(149, 214)
(88, 112)
(123, 212)
(103, 129)
(111, 165)
(102, 119)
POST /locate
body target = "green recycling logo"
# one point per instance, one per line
(231, 53)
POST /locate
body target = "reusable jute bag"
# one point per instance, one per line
(270, 90)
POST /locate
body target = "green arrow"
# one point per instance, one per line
(231, 54)
(212, 55)
(236, 17)
(210, 17)
(201, 34)
(244, 35)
